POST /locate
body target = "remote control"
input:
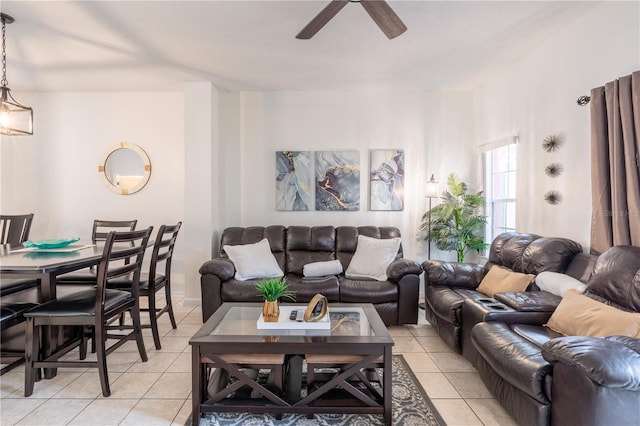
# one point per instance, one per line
(293, 315)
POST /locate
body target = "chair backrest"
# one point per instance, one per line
(163, 250)
(14, 229)
(112, 266)
(101, 228)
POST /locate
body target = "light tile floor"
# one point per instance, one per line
(158, 392)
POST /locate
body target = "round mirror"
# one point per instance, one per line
(125, 168)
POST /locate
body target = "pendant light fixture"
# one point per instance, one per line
(15, 119)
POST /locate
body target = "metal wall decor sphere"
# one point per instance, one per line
(552, 143)
(554, 170)
(553, 197)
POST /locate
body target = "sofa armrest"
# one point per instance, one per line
(452, 274)
(612, 361)
(530, 301)
(213, 273)
(221, 267)
(401, 267)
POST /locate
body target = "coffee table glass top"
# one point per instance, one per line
(345, 321)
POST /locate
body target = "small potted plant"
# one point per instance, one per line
(271, 290)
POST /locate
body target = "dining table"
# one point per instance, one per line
(43, 266)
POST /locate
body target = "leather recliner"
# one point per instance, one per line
(451, 286)
(395, 300)
(542, 378)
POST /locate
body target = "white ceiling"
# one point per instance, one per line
(157, 45)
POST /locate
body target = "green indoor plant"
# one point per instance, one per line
(271, 290)
(455, 224)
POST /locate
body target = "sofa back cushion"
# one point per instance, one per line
(507, 249)
(276, 234)
(347, 240)
(531, 253)
(616, 278)
(308, 245)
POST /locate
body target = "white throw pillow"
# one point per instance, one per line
(558, 284)
(253, 261)
(372, 257)
(321, 269)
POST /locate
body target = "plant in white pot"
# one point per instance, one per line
(455, 224)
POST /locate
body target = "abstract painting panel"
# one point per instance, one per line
(386, 179)
(337, 180)
(294, 178)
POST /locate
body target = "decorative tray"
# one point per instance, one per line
(50, 244)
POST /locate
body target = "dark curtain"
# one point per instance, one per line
(615, 164)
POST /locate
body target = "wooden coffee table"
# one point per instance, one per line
(230, 340)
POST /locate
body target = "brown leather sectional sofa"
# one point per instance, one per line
(539, 376)
(396, 299)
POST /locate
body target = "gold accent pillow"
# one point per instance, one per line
(579, 315)
(499, 280)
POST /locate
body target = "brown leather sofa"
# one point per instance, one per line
(452, 304)
(543, 378)
(396, 300)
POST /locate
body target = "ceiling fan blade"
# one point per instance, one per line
(384, 17)
(321, 19)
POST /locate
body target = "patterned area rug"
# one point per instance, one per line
(411, 407)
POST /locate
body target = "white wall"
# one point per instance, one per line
(536, 97)
(54, 173)
(433, 128)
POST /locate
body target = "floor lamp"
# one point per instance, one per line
(432, 192)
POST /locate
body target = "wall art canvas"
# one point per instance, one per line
(294, 180)
(337, 180)
(386, 179)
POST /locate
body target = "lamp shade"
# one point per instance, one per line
(433, 187)
(15, 119)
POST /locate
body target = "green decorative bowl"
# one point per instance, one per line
(50, 244)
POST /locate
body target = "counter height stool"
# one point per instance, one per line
(92, 308)
(158, 277)
(340, 363)
(12, 315)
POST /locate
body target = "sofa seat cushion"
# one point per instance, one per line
(445, 302)
(516, 359)
(367, 291)
(240, 291)
(306, 288)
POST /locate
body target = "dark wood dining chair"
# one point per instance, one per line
(92, 308)
(17, 297)
(14, 229)
(99, 232)
(158, 277)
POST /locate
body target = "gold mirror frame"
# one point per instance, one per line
(126, 189)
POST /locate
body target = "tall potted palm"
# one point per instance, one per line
(455, 224)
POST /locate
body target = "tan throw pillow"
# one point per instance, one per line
(499, 280)
(579, 315)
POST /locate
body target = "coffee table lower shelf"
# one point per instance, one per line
(333, 401)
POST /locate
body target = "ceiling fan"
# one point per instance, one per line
(379, 10)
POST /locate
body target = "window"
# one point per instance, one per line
(500, 187)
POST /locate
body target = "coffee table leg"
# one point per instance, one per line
(387, 392)
(199, 384)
